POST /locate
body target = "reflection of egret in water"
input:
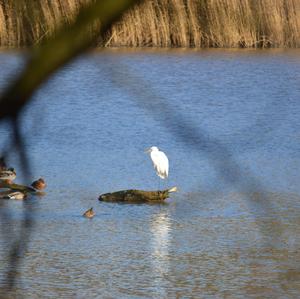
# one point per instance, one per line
(160, 227)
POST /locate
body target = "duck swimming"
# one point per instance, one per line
(8, 175)
(89, 213)
(39, 184)
(16, 195)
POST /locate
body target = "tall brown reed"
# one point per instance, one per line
(164, 23)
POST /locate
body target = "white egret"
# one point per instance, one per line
(160, 162)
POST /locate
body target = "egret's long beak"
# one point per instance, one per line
(147, 150)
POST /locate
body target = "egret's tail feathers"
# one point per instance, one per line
(174, 189)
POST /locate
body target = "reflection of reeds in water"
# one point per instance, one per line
(165, 23)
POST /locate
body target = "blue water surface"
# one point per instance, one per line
(228, 121)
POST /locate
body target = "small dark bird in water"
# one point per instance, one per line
(39, 184)
(8, 175)
(89, 213)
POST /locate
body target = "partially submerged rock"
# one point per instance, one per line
(137, 196)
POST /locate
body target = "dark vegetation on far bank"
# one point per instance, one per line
(163, 23)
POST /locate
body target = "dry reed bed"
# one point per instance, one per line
(164, 23)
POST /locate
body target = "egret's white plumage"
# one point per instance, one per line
(160, 162)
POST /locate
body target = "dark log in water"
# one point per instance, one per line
(17, 187)
(137, 196)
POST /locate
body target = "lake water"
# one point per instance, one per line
(228, 121)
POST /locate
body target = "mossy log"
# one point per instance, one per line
(137, 196)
